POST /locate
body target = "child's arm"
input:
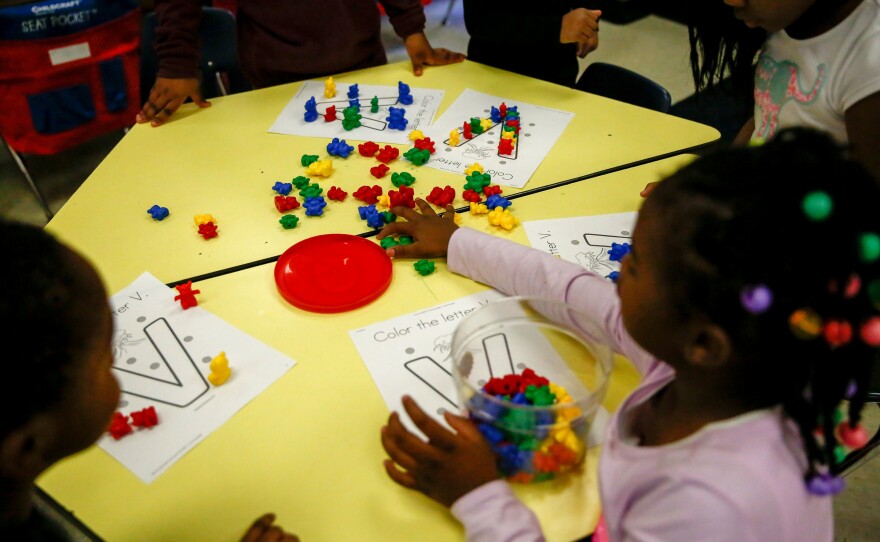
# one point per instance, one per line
(514, 269)
(456, 469)
(863, 131)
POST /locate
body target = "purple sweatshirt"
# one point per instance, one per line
(280, 41)
(737, 480)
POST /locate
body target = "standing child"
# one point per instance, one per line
(58, 389)
(748, 341)
(817, 67)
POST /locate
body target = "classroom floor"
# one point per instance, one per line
(652, 46)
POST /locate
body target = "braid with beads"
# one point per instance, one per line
(778, 245)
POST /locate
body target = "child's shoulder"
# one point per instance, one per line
(748, 469)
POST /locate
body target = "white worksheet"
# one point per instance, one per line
(412, 355)
(161, 357)
(584, 240)
(540, 129)
(374, 126)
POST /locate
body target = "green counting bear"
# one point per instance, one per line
(424, 267)
(289, 221)
(300, 182)
(476, 181)
(418, 157)
(311, 191)
(308, 159)
(351, 118)
(402, 178)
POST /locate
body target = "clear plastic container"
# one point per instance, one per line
(557, 341)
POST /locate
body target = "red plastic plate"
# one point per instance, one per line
(333, 273)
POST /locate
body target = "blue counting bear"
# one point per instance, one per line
(495, 114)
(373, 217)
(618, 251)
(315, 206)
(282, 188)
(353, 91)
(403, 95)
(311, 113)
(510, 459)
(338, 147)
(157, 212)
(612, 276)
(497, 200)
(354, 102)
(491, 433)
(366, 210)
(396, 120)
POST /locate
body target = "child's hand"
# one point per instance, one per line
(647, 189)
(166, 97)
(430, 232)
(446, 467)
(581, 26)
(262, 530)
(422, 54)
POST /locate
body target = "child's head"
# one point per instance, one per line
(58, 390)
(777, 247)
(721, 45)
(771, 15)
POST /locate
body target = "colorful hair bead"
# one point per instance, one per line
(756, 298)
(817, 205)
(852, 286)
(870, 331)
(805, 324)
(869, 247)
(837, 333)
(852, 437)
(851, 390)
(825, 484)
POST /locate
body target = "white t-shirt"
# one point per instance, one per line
(812, 82)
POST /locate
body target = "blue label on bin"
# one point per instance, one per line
(54, 18)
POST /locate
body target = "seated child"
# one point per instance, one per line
(748, 341)
(59, 391)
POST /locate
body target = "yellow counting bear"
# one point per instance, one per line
(454, 138)
(502, 218)
(329, 88)
(220, 370)
(321, 168)
(472, 168)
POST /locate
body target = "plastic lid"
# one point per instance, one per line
(333, 273)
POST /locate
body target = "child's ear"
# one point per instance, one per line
(708, 346)
(23, 451)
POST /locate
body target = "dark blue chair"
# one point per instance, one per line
(624, 85)
(221, 74)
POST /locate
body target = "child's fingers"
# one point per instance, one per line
(258, 527)
(415, 449)
(406, 213)
(425, 207)
(449, 214)
(390, 444)
(463, 426)
(395, 228)
(403, 478)
(435, 432)
(403, 252)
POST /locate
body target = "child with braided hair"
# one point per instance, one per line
(59, 390)
(749, 339)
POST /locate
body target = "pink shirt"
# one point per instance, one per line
(738, 480)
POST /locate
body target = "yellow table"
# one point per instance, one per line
(308, 447)
(222, 161)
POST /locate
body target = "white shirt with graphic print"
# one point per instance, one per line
(812, 82)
